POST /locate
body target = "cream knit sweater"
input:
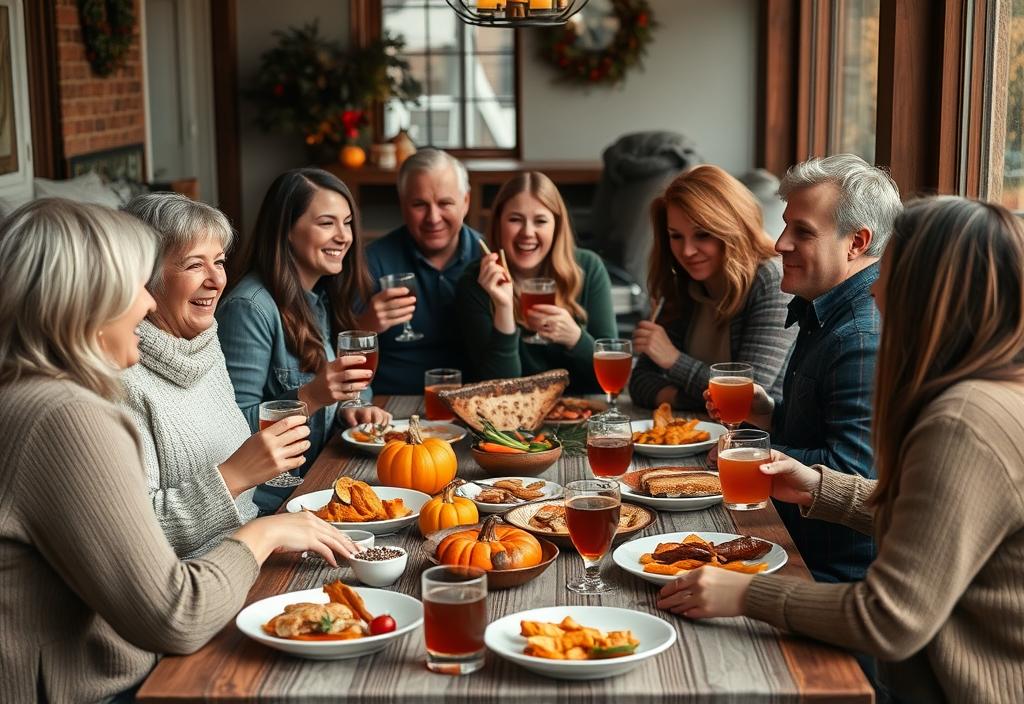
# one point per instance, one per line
(943, 603)
(90, 588)
(182, 403)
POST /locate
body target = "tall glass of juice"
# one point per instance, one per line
(592, 511)
(454, 618)
(359, 343)
(534, 292)
(270, 413)
(435, 380)
(613, 361)
(740, 456)
(609, 445)
(732, 390)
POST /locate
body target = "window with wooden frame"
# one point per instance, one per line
(470, 101)
(1002, 174)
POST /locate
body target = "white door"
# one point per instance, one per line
(179, 83)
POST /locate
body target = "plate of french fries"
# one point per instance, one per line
(668, 436)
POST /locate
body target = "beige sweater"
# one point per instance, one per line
(943, 603)
(89, 587)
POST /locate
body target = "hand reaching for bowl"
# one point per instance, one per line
(295, 532)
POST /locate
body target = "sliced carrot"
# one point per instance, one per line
(540, 438)
(495, 447)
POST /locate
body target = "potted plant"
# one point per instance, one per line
(316, 89)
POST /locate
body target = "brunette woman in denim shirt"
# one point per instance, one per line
(278, 325)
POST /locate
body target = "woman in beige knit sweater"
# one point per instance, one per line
(90, 589)
(943, 603)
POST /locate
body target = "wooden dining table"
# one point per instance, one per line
(718, 660)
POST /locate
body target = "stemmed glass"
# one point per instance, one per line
(536, 292)
(609, 445)
(355, 343)
(613, 361)
(592, 511)
(732, 390)
(405, 280)
(270, 413)
(740, 456)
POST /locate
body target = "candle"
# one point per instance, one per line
(541, 4)
(487, 4)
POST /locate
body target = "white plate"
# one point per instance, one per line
(406, 610)
(655, 635)
(414, 501)
(447, 431)
(683, 503)
(550, 490)
(714, 429)
(627, 555)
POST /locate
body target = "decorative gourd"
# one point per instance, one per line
(352, 157)
(424, 465)
(447, 510)
(494, 547)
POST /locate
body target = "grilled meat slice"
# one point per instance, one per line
(683, 551)
(745, 548)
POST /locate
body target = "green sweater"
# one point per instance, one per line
(491, 354)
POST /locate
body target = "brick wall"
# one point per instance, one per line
(96, 113)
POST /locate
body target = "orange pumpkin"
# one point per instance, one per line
(447, 510)
(424, 465)
(493, 547)
(352, 157)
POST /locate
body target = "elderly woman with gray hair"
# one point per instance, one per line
(201, 461)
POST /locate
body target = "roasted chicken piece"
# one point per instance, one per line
(309, 619)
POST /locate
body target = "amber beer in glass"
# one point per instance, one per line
(732, 390)
(609, 445)
(592, 511)
(270, 413)
(613, 361)
(359, 343)
(454, 618)
(435, 380)
(536, 292)
(740, 456)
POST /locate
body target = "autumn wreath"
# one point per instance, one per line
(608, 65)
(108, 27)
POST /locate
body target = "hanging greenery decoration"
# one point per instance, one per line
(108, 27)
(578, 63)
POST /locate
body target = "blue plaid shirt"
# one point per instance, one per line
(825, 415)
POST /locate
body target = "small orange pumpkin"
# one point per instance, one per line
(493, 547)
(424, 465)
(447, 510)
(351, 156)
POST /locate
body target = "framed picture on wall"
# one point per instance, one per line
(15, 138)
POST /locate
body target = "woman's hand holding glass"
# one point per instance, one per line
(792, 482)
(267, 454)
(387, 308)
(761, 408)
(295, 532)
(336, 381)
(651, 339)
(554, 324)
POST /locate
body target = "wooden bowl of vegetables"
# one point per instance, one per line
(514, 453)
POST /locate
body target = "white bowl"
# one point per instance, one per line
(627, 555)
(414, 501)
(682, 503)
(382, 573)
(655, 635)
(406, 610)
(713, 429)
(448, 431)
(550, 490)
(362, 538)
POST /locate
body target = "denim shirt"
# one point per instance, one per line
(825, 414)
(262, 368)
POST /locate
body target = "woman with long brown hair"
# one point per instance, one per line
(530, 223)
(304, 270)
(942, 602)
(716, 271)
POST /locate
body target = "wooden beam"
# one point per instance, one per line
(777, 84)
(43, 90)
(224, 21)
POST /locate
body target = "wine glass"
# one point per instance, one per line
(732, 390)
(270, 413)
(609, 445)
(740, 456)
(406, 280)
(592, 511)
(613, 361)
(359, 343)
(535, 292)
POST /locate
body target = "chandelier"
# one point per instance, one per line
(516, 13)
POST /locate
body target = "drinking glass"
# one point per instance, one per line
(355, 343)
(732, 390)
(454, 618)
(613, 360)
(406, 280)
(592, 512)
(535, 292)
(609, 445)
(435, 380)
(740, 454)
(270, 413)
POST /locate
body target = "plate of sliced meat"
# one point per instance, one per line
(661, 558)
(672, 488)
(501, 494)
(547, 520)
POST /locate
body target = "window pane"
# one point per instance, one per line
(492, 125)
(436, 121)
(854, 85)
(489, 39)
(439, 74)
(490, 76)
(1006, 176)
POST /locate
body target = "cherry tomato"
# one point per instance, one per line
(382, 624)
